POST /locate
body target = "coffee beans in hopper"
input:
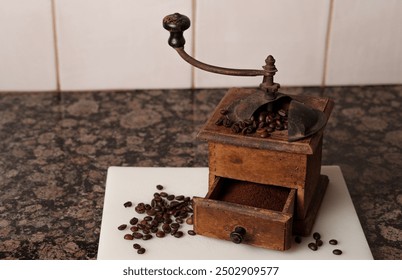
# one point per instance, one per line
(163, 215)
(262, 123)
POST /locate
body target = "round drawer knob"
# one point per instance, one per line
(237, 235)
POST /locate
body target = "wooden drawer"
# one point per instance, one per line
(265, 212)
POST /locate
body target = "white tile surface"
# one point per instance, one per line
(27, 59)
(365, 43)
(119, 44)
(336, 218)
(240, 34)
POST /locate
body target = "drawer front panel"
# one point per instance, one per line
(260, 166)
(264, 228)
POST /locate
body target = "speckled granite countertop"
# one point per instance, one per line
(55, 149)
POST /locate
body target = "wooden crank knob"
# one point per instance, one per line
(176, 24)
(237, 235)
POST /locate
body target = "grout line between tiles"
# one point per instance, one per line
(193, 19)
(55, 44)
(327, 42)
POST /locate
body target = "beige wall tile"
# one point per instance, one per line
(365, 43)
(27, 59)
(118, 44)
(240, 34)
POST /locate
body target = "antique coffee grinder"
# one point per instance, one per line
(264, 158)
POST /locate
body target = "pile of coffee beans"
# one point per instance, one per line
(162, 216)
(262, 123)
(318, 243)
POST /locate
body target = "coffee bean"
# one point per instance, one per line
(170, 197)
(154, 229)
(175, 225)
(134, 228)
(298, 239)
(189, 221)
(265, 134)
(159, 187)
(262, 116)
(159, 219)
(191, 232)
(160, 234)
(179, 197)
(141, 251)
(319, 242)
(138, 235)
(134, 221)
(282, 113)
(139, 210)
(166, 228)
(151, 212)
(173, 204)
(179, 220)
(146, 237)
(248, 122)
(136, 246)
(219, 121)
(248, 130)
(128, 237)
(333, 242)
(183, 215)
(316, 235)
(224, 111)
(148, 218)
(236, 128)
(178, 234)
(337, 252)
(167, 220)
(163, 194)
(227, 122)
(122, 227)
(128, 204)
(312, 246)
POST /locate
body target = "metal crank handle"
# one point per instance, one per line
(176, 24)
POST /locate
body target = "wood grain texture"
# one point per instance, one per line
(303, 226)
(257, 165)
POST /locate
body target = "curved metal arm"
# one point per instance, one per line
(217, 69)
